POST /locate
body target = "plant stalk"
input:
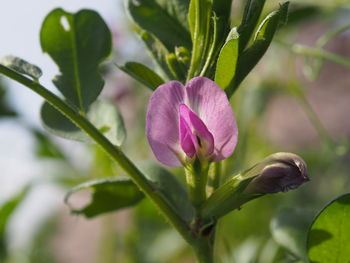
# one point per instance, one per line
(204, 250)
(117, 155)
(197, 178)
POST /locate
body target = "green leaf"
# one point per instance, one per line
(176, 67)
(158, 51)
(164, 19)
(113, 193)
(6, 211)
(77, 43)
(221, 27)
(104, 115)
(227, 197)
(107, 195)
(222, 9)
(329, 236)
(222, 13)
(21, 66)
(170, 188)
(251, 15)
(289, 228)
(199, 19)
(226, 65)
(248, 59)
(143, 74)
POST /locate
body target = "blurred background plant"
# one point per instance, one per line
(297, 99)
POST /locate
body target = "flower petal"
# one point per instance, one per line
(187, 139)
(162, 122)
(211, 105)
(204, 141)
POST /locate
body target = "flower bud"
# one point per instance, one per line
(280, 172)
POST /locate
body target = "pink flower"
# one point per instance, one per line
(183, 123)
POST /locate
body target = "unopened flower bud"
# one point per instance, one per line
(280, 172)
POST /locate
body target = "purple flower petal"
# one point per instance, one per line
(204, 141)
(187, 139)
(211, 105)
(162, 122)
(188, 121)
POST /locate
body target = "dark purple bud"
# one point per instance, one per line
(280, 172)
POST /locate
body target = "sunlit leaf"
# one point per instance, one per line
(104, 115)
(226, 65)
(289, 228)
(22, 66)
(329, 236)
(164, 19)
(143, 74)
(107, 195)
(77, 43)
(251, 56)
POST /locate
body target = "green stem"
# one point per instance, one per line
(217, 175)
(117, 155)
(210, 55)
(320, 53)
(197, 178)
(313, 118)
(204, 250)
(323, 40)
(316, 52)
(200, 13)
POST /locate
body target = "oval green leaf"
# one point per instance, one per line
(329, 236)
(226, 65)
(104, 115)
(107, 195)
(77, 43)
